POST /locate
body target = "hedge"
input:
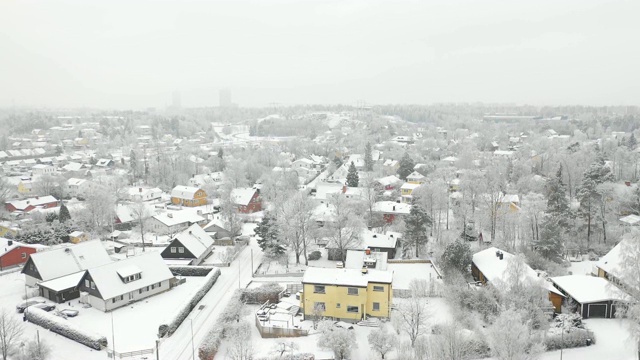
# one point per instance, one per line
(63, 327)
(211, 343)
(190, 270)
(169, 328)
(572, 338)
(260, 295)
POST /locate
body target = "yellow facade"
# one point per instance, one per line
(347, 302)
(80, 238)
(6, 230)
(24, 187)
(199, 199)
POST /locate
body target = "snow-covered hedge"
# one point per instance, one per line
(191, 270)
(259, 295)
(572, 338)
(169, 328)
(65, 328)
(212, 340)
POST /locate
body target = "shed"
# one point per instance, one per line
(595, 296)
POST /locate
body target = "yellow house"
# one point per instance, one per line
(78, 236)
(8, 229)
(346, 294)
(406, 191)
(188, 196)
(416, 178)
(25, 186)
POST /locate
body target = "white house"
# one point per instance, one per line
(172, 222)
(123, 282)
(42, 169)
(144, 194)
(190, 246)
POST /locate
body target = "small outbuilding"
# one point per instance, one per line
(595, 297)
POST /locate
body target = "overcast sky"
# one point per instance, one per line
(134, 54)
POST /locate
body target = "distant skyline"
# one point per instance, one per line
(136, 54)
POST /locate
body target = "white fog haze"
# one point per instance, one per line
(134, 54)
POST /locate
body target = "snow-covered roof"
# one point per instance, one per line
(242, 196)
(5, 247)
(375, 240)
(415, 176)
(630, 219)
(152, 268)
(345, 277)
(392, 207)
(75, 181)
(171, 218)
(450, 159)
(612, 260)
(410, 186)
(510, 198)
(37, 201)
(71, 259)
(76, 233)
(389, 180)
(194, 239)
(184, 192)
(589, 289)
(355, 259)
(63, 282)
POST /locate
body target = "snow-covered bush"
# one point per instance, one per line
(259, 295)
(191, 270)
(63, 327)
(169, 328)
(213, 339)
(315, 255)
(572, 337)
(568, 321)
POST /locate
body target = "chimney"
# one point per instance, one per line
(391, 235)
(394, 208)
(497, 253)
(367, 251)
(375, 236)
(170, 215)
(10, 242)
(139, 189)
(501, 256)
(344, 189)
(189, 232)
(628, 183)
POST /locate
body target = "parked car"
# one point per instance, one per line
(25, 304)
(45, 306)
(70, 312)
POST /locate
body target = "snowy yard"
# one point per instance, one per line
(403, 273)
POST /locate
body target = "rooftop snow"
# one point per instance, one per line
(345, 277)
(589, 289)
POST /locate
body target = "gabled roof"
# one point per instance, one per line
(194, 239)
(242, 196)
(415, 175)
(5, 247)
(152, 268)
(375, 240)
(391, 207)
(171, 218)
(37, 201)
(389, 180)
(630, 219)
(184, 192)
(68, 260)
(589, 289)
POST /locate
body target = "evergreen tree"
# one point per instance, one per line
(551, 241)
(590, 199)
(457, 256)
(133, 165)
(557, 202)
(368, 159)
(632, 142)
(268, 237)
(406, 167)
(352, 176)
(64, 214)
(416, 224)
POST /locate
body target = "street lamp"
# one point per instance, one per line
(193, 348)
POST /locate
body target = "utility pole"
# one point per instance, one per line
(193, 348)
(157, 349)
(113, 337)
(251, 262)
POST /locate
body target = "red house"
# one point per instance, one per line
(390, 210)
(247, 200)
(26, 205)
(13, 253)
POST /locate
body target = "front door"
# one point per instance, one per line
(131, 296)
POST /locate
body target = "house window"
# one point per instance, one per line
(378, 288)
(140, 291)
(319, 306)
(93, 285)
(173, 250)
(147, 288)
(121, 297)
(153, 286)
(113, 300)
(376, 306)
(352, 309)
(352, 291)
(31, 267)
(181, 250)
(159, 284)
(337, 305)
(87, 283)
(24, 255)
(318, 289)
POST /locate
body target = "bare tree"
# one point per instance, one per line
(239, 341)
(381, 341)
(413, 316)
(296, 224)
(11, 330)
(140, 213)
(318, 313)
(344, 230)
(511, 338)
(5, 193)
(340, 341)
(99, 209)
(48, 185)
(37, 350)
(452, 343)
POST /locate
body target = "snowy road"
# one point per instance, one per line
(179, 345)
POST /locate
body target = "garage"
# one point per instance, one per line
(596, 311)
(595, 297)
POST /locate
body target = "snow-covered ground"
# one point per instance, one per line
(582, 268)
(403, 273)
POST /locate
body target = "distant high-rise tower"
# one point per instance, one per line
(225, 98)
(176, 101)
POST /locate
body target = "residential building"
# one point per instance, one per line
(14, 253)
(188, 196)
(63, 261)
(25, 186)
(416, 178)
(144, 194)
(78, 236)
(76, 187)
(247, 200)
(491, 265)
(172, 222)
(390, 210)
(189, 247)
(120, 283)
(594, 297)
(346, 294)
(406, 191)
(38, 202)
(42, 169)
